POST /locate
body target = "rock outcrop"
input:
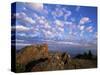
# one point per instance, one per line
(38, 58)
(32, 52)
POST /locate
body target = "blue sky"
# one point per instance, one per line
(74, 26)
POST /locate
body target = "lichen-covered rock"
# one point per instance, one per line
(29, 53)
(37, 58)
(66, 58)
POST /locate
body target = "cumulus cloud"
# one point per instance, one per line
(48, 34)
(57, 13)
(29, 20)
(36, 16)
(84, 20)
(67, 22)
(21, 28)
(33, 35)
(36, 6)
(67, 14)
(81, 27)
(61, 29)
(89, 29)
(72, 33)
(47, 26)
(21, 34)
(22, 16)
(58, 23)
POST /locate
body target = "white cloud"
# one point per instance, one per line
(22, 44)
(57, 12)
(22, 16)
(32, 35)
(41, 21)
(61, 29)
(73, 19)
(49, 33)
(69, 43)
(22, 34)
(72, 33)
(89, 29)
(35, 15)
(20, 28)
(24, 8)
(36, 6)
(81, 27)
(29, 20)
(68, 23)
(67, 14)
(59, 23)
(84, 20)
(45, 11)
(47, 26)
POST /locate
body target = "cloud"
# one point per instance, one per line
(45, 11)
(84, 20)
(47, 26)
(89, 29)
(67, 14)
(57, 13)
(21, 28)
(49, 33)
(36, 16)
(18, 40)
(29, 20)
(61, 29)
(81, 33)
(58, 23)
(22, 16)
(41, 21)
(69, 43)
(22, 34)
(67, 22)
(72, 33)
(33, 35)
(23, 44)
(36, 6)
(81, 27)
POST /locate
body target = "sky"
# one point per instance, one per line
(58, 25)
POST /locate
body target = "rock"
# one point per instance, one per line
(66, 58)
(32, 52)
(37, 58)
